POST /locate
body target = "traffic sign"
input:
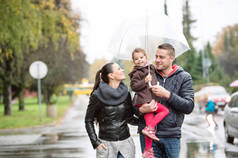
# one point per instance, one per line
(38, 70)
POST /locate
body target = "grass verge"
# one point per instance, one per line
(31, 115)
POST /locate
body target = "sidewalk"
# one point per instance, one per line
(69, 136)
(27, 135)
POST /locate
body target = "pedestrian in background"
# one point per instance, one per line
(210, 112)
(111, 107)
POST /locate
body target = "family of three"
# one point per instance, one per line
(163, 95)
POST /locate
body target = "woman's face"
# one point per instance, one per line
(117, 73)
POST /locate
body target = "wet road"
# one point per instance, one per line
(198, 141)
(69, 139)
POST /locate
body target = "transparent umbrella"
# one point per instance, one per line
(147, 32)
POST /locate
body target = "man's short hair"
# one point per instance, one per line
(168, 47)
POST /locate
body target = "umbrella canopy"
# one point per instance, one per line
(147, 32)
(234, 83)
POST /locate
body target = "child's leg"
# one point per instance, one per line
(148, 118)
(149, 131)
(148, 143)
(162, 111)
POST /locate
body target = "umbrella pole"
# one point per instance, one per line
(149, 74)
(146, 41)
(146, 32)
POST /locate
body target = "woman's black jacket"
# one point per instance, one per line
(112, 120)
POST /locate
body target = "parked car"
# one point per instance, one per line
(217, 94)
(231, 119)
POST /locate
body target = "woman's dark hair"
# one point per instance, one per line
(102, 74)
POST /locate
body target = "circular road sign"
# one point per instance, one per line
(38, 70)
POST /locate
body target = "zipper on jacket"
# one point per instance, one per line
(164, 79)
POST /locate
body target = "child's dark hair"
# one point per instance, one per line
(102, 74)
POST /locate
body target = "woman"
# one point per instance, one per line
(110, 106)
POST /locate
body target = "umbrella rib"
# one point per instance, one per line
(122, 41)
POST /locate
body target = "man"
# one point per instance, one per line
(176, 93)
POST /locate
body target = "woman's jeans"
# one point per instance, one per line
(165, 148)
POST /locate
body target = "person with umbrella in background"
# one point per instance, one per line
(176, 93)
(142, 76)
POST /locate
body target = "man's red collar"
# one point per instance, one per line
(174, 68)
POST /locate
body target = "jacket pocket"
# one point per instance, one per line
(180, 118)
(101, 152)
(169, 121)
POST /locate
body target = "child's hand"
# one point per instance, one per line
(148, 78)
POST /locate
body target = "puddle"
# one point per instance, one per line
(204, 150)
(49, 145)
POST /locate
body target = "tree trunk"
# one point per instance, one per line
(21, 99)
(47, 95)
(51, 111)
(7, 98)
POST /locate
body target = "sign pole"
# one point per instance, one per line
(39, 98)
(38, 70)
(39, 91)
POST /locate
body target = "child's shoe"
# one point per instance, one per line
(148, 153)
(150, 132)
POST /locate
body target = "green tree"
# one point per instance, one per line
(62, 53)
(40, 23)
(165, 7)
(197, 70)
(226, 48)
(188, 21)
(62, 68)
(187, 60)
(215, 71)
(19, 30)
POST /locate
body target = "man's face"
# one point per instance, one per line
(162, 59)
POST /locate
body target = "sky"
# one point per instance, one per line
(100, 19)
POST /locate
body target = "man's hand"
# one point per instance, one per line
(150, 107)
(160, 91)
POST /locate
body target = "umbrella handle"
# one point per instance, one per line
(149, 73)
(149, 84)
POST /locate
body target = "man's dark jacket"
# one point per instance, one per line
(180, 102)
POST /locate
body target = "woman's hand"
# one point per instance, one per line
(150, 107)
(101, 146)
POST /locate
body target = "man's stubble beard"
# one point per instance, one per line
(162, 68)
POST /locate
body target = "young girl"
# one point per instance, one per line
(140, 79)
